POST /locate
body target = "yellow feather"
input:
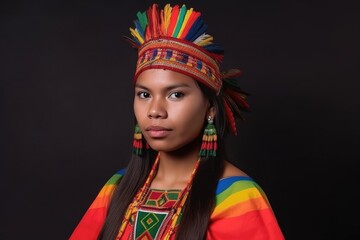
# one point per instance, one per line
(136, 34)
(205, 41)
(167, 16)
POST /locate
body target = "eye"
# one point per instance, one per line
(143, 94)
(176, 95)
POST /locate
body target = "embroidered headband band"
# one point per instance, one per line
(175, 38)
(180, 56)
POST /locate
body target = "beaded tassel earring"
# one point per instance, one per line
(209, 140)
(137, 143)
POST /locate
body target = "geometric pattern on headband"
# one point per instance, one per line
(183, 58)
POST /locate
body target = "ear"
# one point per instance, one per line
(211, 112)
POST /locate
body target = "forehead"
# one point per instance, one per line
(164, 77)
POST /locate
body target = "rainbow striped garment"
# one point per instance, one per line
(242, 212)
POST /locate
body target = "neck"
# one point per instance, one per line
(175, 168)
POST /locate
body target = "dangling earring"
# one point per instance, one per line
(209, 140)
(137, 143)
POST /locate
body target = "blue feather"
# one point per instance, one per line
(139, 28)
(214, 48)
(192, 34)
(200, 31)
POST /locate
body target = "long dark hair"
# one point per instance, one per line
(201, 199)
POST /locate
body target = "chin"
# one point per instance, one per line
(158, 148)
(166, 147)
(163, 146)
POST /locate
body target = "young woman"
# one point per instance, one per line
(178, 184)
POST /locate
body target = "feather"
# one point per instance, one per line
(199, 31)
(162, 23)
(132, 42)
(231, 73)
(179, 21)
(230, 117)
(203, 39)
(142, 19)
(185, 22)
(139, 28)
(167, 15)
(240, 98)
(154, 23)
(234, 97)
(194, 29)
(173, 20)
(136, 35)
(192, 18)
(214, 48)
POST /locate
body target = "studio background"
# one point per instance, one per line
(66, 108)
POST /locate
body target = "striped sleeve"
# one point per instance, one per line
(91, 223)
(242, 211)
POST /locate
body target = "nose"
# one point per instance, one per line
(157, 108)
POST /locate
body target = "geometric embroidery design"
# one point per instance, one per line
(149, 219)
(162, 199)
(148, 223)
(174, 54)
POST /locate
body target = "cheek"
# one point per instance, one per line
(189, 118)
(139, 111)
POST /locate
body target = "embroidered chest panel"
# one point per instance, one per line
(152, 218)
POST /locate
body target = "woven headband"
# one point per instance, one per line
(179, 56)
(175, 38)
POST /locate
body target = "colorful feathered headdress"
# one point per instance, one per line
(175, 38)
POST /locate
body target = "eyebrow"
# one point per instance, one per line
(167, 88)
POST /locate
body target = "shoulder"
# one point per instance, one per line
(238, 187)
(91, 223)
(242, 211)
(109, 187)
(235, 183)
(237, 190)
(231, 170)
(115, 179)
(112, 183)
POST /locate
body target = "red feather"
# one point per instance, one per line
(194, 15)
(153, 30)
(231, 73)
(230, 117)
(237, 97)
(173, 20)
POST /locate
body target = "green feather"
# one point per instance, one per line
(142, 19)
(180, 20)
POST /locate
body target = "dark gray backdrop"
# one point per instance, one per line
(66, 98)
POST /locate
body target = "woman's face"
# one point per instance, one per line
(170, 109)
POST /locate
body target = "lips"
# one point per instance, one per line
(157, 131)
